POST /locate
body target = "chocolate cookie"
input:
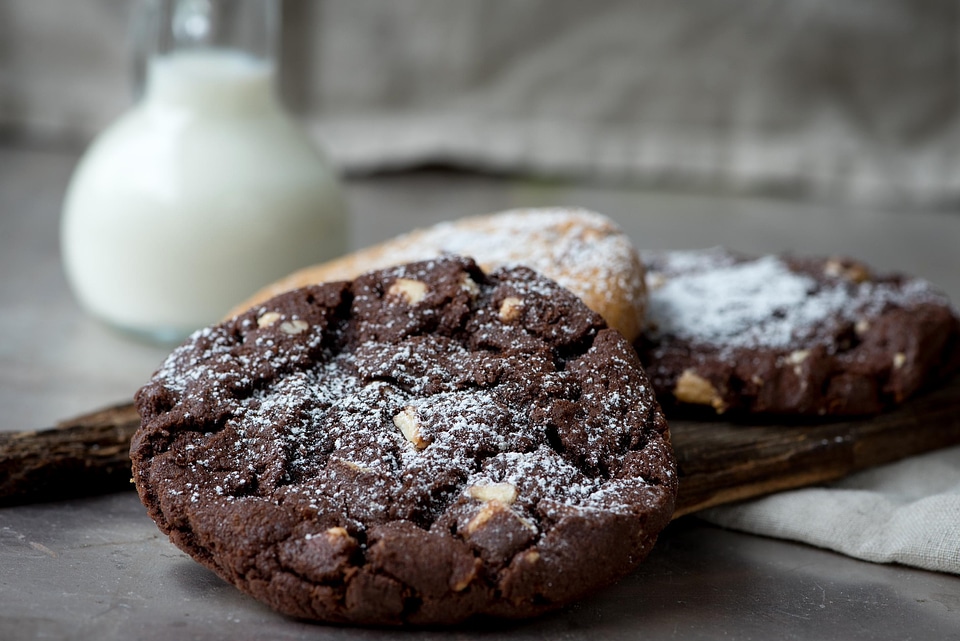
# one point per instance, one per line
(791, 335)
(581, 250)
(423, 444)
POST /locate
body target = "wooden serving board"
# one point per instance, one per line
(725, 462)
(719, 462)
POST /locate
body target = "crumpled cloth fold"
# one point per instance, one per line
(906, 512)
(851, 101)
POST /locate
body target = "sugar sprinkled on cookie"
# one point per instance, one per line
(790, 335)
(410, 453)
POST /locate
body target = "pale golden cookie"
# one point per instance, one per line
(581, 250)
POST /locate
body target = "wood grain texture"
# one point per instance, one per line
(723, 462)
(83, 456)
(719, 462)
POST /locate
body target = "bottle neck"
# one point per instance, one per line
(249, 26)
(209, 55)
(215, 81)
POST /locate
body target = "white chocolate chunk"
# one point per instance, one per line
(470, 286)
(693, 388)
(268, 319)
(412, 291)
(510, 309)
(295, 326)
(335, 534)
(491, 509)
(409, 426)
(503, 492)
(854, 272)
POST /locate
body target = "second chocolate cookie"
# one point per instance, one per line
(789, 335)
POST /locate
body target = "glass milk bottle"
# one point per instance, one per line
(206, 190)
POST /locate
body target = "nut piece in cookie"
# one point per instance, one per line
(411, 291)
(410, 427)
(786, 335)
(693, 388)
(421, 445)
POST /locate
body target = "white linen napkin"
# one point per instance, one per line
(906, 512)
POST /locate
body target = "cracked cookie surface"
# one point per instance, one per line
(418, 446)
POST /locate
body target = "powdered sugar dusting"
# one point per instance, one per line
(554, 240)
(581, 250)
(713, 298)
(327, 428)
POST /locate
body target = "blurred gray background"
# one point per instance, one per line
(853, 102)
